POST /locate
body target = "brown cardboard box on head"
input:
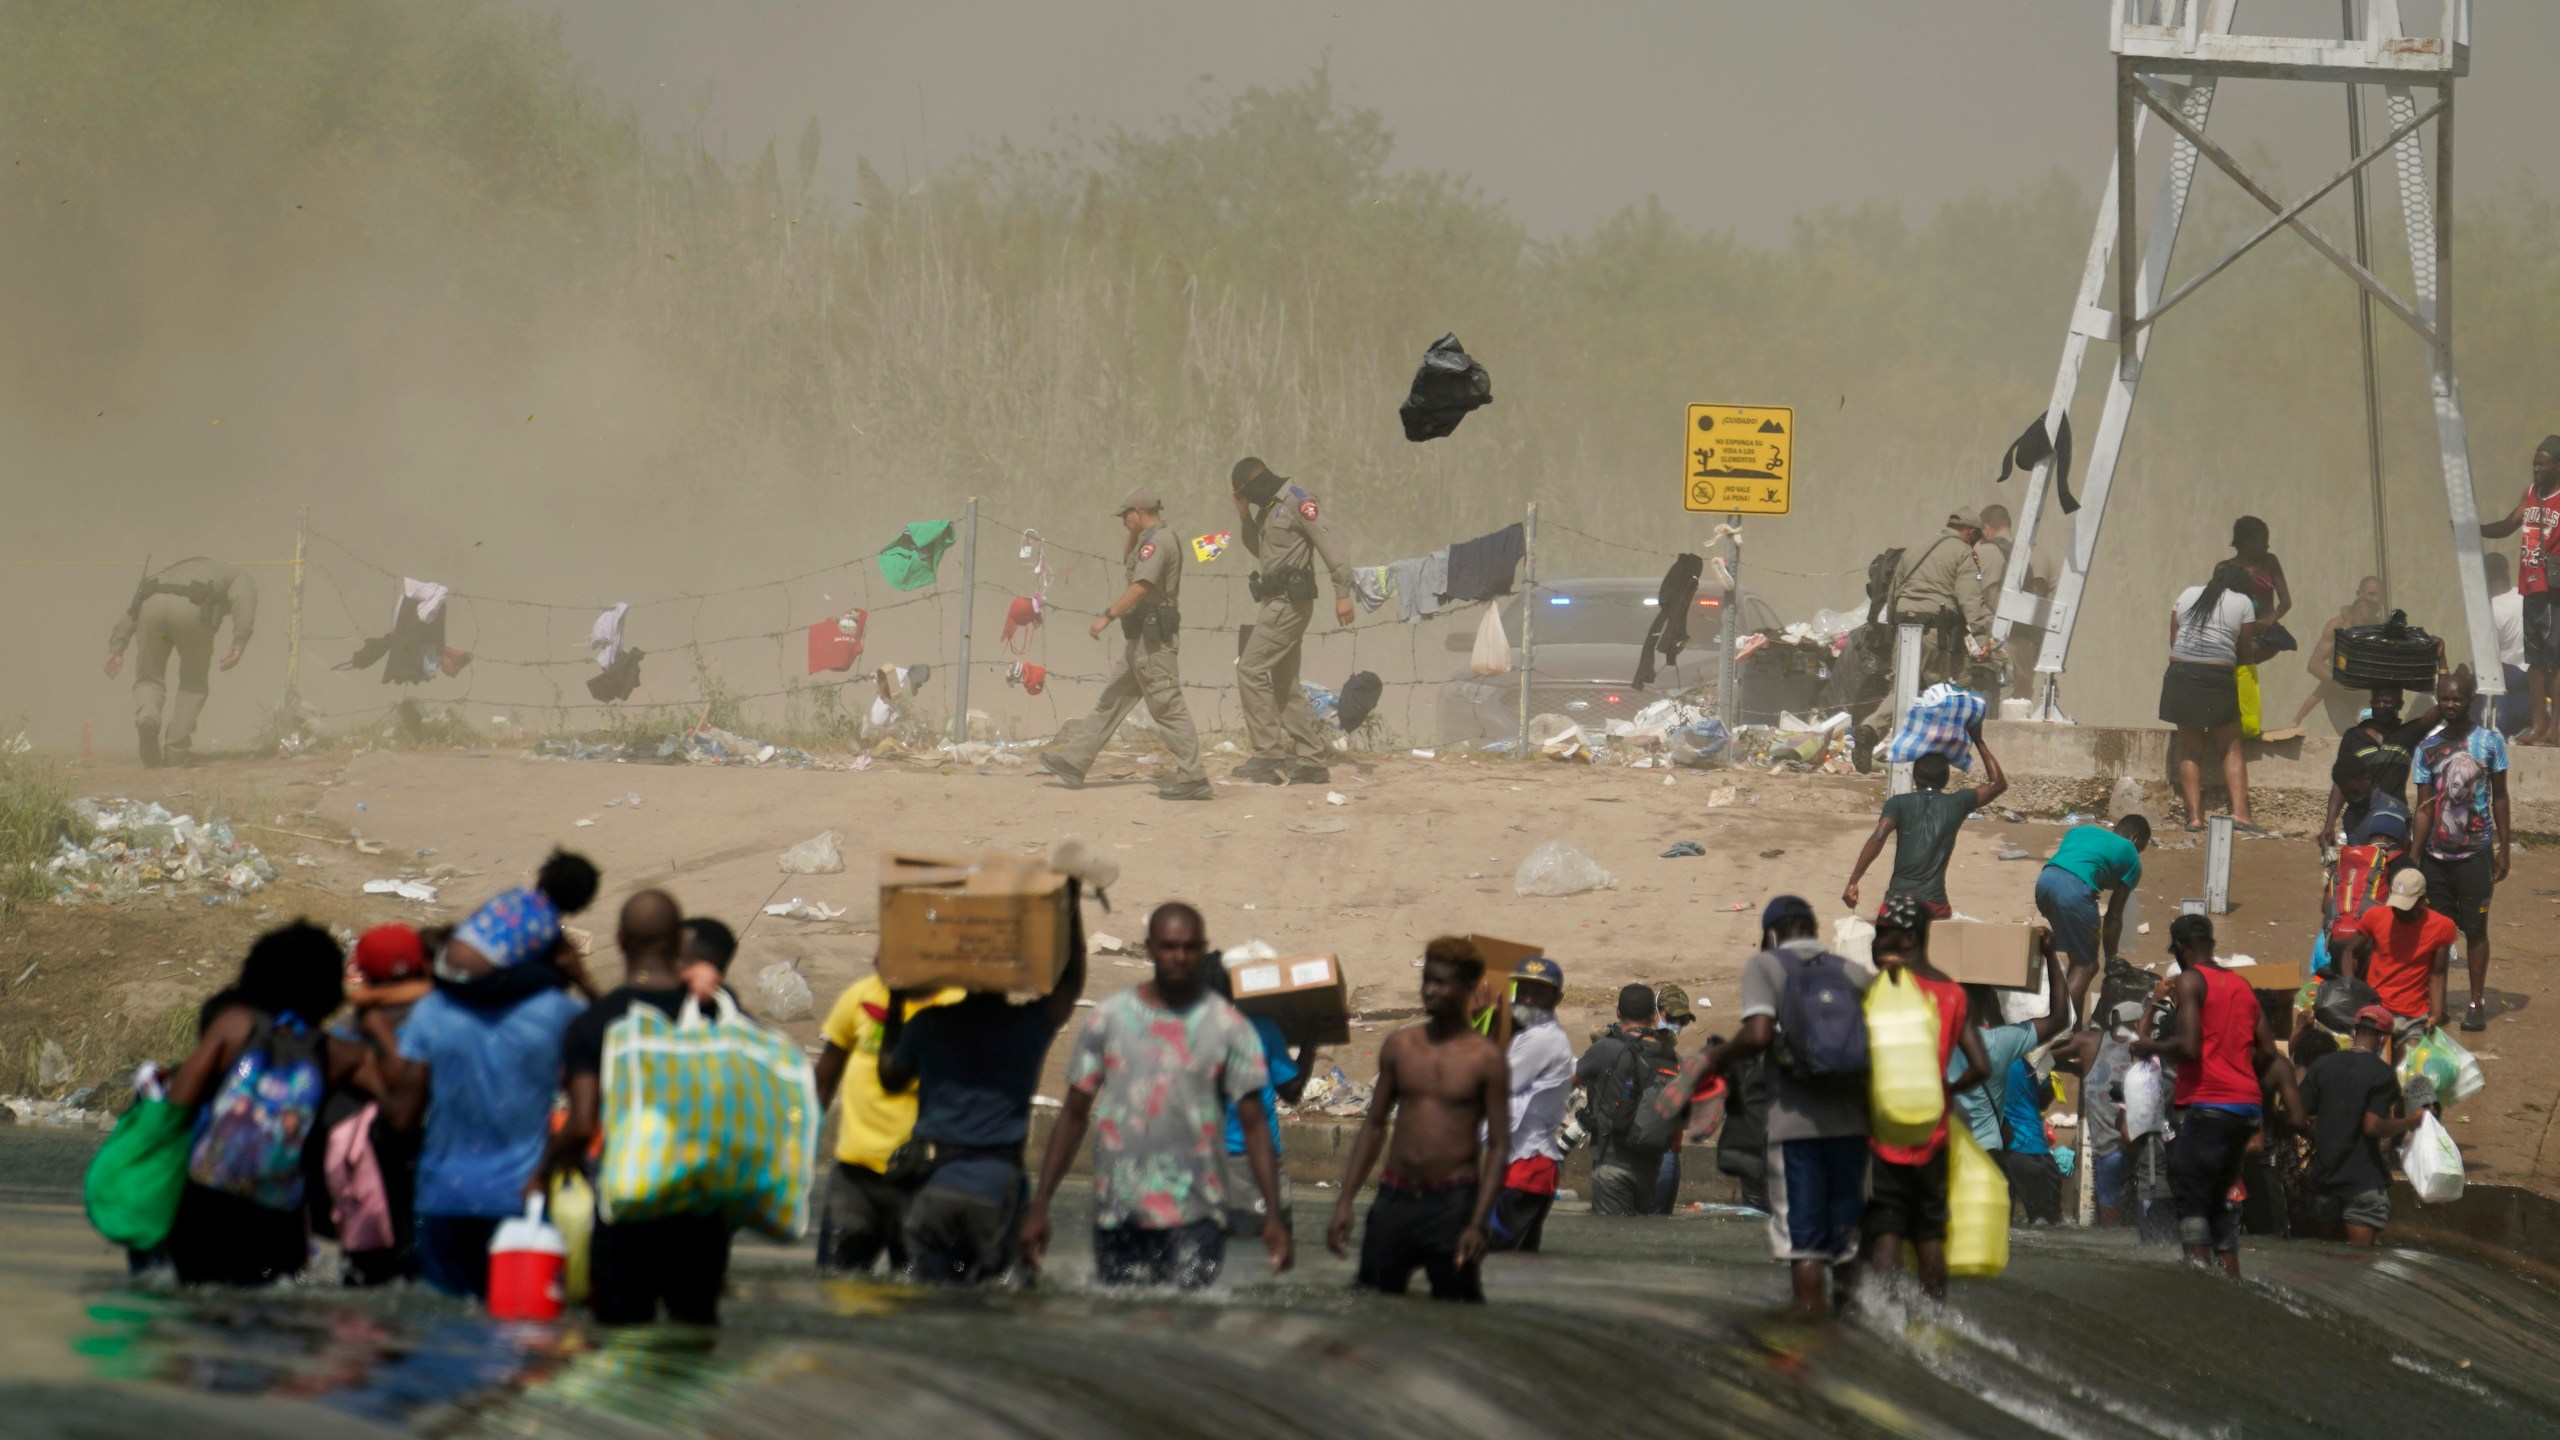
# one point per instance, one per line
(1976, 952)
(1501, 957)
(988, 923)
(1305, 997)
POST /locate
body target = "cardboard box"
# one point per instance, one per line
(1500, 958)
(1974, 952)
(2284, 975)
(992, 923)
(1305, 996)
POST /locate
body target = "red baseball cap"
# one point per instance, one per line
(387, 953)
(2376, 1017)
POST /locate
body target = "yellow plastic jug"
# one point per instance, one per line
(1977, 1207)
(573, 1214)
(1906, 1089)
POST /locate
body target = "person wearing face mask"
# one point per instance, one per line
(1541, 1088)
(2373, 761)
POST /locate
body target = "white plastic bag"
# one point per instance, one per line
(1557, 738)
(782, 992)
(2146, 1108)
(1493, 646)
(816, 855)
(1557, 868)
(1854, 940)
(2433, 1163)
(2019, 1006)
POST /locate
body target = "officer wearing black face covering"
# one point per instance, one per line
(1284, 528)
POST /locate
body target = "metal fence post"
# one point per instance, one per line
(293, 622)
(1528, 618)
(1906, 693)
(968, 607)
(1728, 682)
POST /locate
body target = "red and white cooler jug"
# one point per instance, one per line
(526, 1260)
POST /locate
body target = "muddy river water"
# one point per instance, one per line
(1671, 1326)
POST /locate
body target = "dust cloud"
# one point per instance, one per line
(584, 302)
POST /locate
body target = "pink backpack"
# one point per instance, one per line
(358, 1202)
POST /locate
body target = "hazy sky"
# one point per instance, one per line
(1737, 113)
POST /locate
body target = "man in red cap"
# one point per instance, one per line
(2351, 1097)
(1146, 658)
(388, 967)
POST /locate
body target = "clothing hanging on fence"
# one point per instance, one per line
(414, 652)
(1416, 585)
(1448, 386)
(908, 560)
(1021, 617)
(1669, 631)
(616, 681)
(2032, 448)
(604, 638)
(1482, 568)
(836, 642)
(1369, 586)
(1358, 699)
(1032, 678)
(1205, 548)
(429, 595)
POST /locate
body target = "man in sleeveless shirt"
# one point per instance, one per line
(2226, 1057)
(1146, 659)
(2537, 516)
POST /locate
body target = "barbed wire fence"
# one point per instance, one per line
(735, 653)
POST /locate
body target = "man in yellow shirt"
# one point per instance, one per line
(863, 1212)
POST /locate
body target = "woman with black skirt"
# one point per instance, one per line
(2213, 629)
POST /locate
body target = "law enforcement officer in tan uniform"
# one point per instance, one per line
(180, 608)
(1147, 661)
(1938, 587)
(2018, 658)
(1285, 530)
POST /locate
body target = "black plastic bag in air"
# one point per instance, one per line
(1448, 385)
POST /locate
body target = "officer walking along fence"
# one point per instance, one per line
(882, 643)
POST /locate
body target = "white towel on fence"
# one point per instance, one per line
(606, 638)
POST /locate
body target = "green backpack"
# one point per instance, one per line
(133, 1185)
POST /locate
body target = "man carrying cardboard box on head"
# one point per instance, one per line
(975, 1064)
(1289, 1075)
(1158, 1063)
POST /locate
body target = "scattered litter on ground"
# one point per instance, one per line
(1557, 868)
(796, 908)
(137, 847)
(582, 824)
(1720, 797)
(1321, 827)
(56, 1114)
(1048, 1102)
(781, 992)
(53, 1067)
(1425, 754)
(1739, 905)
(2014, 853)
(418, 890)
(1336, 797)
(816, 855)
(368, 847)
(1103, 942)
(1684, 849)
(1335, 1095)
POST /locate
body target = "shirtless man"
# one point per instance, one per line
(1441, 1178)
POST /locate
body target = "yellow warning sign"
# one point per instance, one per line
(1738, 459)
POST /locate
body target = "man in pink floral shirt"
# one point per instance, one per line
(1152, 1074)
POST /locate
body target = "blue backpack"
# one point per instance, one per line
(250, 1139)
(1822, 1027)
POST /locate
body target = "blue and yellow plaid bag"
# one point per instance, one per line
(706, 1116)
